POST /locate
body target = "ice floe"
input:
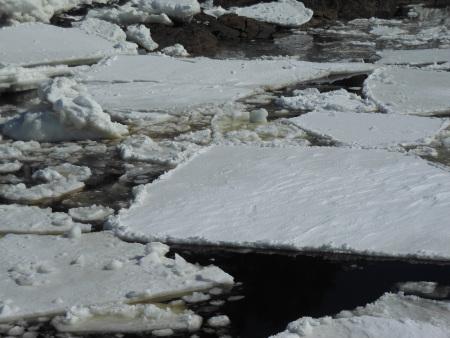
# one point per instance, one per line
(425, 289)
(19, 219)
(10, 167)
(58, 273)
(143, 83)
(93, 213)
(118, 318)
(372, 129)
(34, 44)
(72, 115)
(414, 56)
(393, 315)
(39, 10)
(312, 198)
(409, 91)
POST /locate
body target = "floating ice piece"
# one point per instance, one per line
(128, 14)
(35, 44)
(9, 152)
(315, 198)
(74, 115)
(10, 167)
(141, 35)
(126, 318)
(371, 129)
(196, 297)
(77, 271)
(429, 289)
(143, 148)
(175, 50)
(143, 83)
(93, 213)
(393, 315)
(414, 56)
(15, 78)
(19, 219)
(219, 321)
(336, 100)
(177, 9)
(39, 10)
(67, 170)
(291, 13)
(409, 91)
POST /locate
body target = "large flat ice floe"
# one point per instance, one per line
(393, 315)
(414, 56)
(409, 91)
(143, 83)
(47, 275)
(371, 129)
(20, 219)
(316, 198)
(33, 44)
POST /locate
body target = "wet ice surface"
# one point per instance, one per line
(306, 286)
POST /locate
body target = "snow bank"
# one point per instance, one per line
(20, 219)
(143, 148)
(34, 44)
(409, 91)
(414, 56)
(57, 273)
(143, 83)
(73, 115)
(291, 13)
(15, 78)
(317, 198)
(393, 315)
(93, 213)
(370, 129)
(39, 10)
(126, 318)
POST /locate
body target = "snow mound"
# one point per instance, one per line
(93, 213)
(393, 315)
(409, 91)
(414, 56)
(315, 198)
(34, 44)
(371, 129)
(126, 318)
(73, 115)
(58, 273)
(39, 10)
(291, 13)
(20, 219)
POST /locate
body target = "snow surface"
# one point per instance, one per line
(290, 13)
(414, 56)
(92, 213)
(47, 275)
(39, 10)
(371, 129)
(126, 318)
(34, 44)
(143, 83)
(393, 315)
(317, 198)
(21, 219)
(73, 115)
(409, 91)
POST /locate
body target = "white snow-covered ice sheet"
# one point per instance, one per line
(371, 129)
(409, 91)
(414, 56)
(47, 275)
(316, 198)
(392, 315)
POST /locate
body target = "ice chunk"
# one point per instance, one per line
(175, 50)
(371, 129)
(10, 167)
(75, 281)
(219, 321)
(20, 219)
(34, 44)
(126, 318)
(92, 213)
(393, 315)
(102, 28)
(176, 9)
(409, 91)
(315, 198)
(429, 289)
(141, 35)
(143, 83)
(414, 56)
(291, 13)
(67, 170)
(73, 115)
